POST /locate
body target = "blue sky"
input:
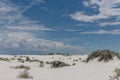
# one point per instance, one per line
(68, 26)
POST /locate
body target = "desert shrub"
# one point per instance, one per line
(15, 55)
(51, 54)
(21, 60)
(84, 60)
(117, 71)
(70, 58)
(80, 59)
(4, 59)
(20, 56)
(22, 67)
(41, 62)
(103, 55)
(35, 60)
(74, 64)
(25, 75)
(52, 57)
(117, 74)
(64, 54)
(47, 62)
(41, 65)
(28, 58)
(58, 64)
(12, 58)
(59, 57)
(75, 60)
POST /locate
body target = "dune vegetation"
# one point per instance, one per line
(103, 55)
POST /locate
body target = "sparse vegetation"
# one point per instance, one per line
(103, 55)
(25, 74)
(35, 60)
(47, 62)
(22, 67)
(117, 74)
(4, 59)
(21, 60)
(117, 71)
(58, 64)
(42, 65)
(64, 54)
(28, 58)
(75, 60)
(50, 54)
(74, 64)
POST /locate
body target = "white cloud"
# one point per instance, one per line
(11, 16)
(73, 30)
(25, 40)
(107, 10)
(81, 17)
(109, 23)
(112, 32)
(86, 3)
(30, 28)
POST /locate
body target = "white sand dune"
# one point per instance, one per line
(93, 70)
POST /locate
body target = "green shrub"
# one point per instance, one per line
(103, 55)
(25, 75)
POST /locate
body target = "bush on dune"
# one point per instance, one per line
(103, 55)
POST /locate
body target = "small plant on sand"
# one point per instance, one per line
(74, 64)
(75, 60)
(41, 65)
(28, 58)
(117, 71)
(103, 55)
(58, 64)
(117, 74)
(47, 62)
(25, 75)
(35, 60)
(4, 59)
(22, 67)
(21, 60)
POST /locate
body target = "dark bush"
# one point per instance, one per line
(58, 64)
(28, 58)
(103, 55)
